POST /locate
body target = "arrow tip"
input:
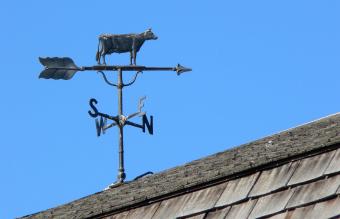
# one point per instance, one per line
(181, 69)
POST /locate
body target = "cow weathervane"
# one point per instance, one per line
(64, 68)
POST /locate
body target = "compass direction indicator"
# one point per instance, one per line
(64, 68)
(102, 126)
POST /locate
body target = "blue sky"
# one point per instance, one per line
(259, 67)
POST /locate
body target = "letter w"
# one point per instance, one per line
(100, 126)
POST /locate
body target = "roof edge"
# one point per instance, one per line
(318, 135)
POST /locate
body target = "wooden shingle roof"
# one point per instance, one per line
(286, 175)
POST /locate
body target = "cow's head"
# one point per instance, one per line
(149, 35)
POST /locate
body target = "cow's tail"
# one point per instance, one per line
(98, 53)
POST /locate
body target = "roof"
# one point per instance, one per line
(294, 172)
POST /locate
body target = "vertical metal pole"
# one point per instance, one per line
(121, 173)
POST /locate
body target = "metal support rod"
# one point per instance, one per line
(121, 171)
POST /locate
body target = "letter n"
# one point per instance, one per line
(148, 125)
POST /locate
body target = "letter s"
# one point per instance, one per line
(92, 103)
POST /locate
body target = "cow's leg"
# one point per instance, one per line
(98, 57)
(131, 57)
(134, 56)
(104, 59)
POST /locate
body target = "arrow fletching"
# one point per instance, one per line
(58, 68)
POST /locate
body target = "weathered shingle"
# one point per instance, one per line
(325, 209)
(145, 212)
(237, 190)
(171, 208)
(242, 210)
(271, 204)
(273, 179)
(218, 214)
(202, 200)
(335, 164)
(311, 168)
(314, 191)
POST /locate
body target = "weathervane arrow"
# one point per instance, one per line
(64, 68)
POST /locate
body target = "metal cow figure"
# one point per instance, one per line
(120, 43)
